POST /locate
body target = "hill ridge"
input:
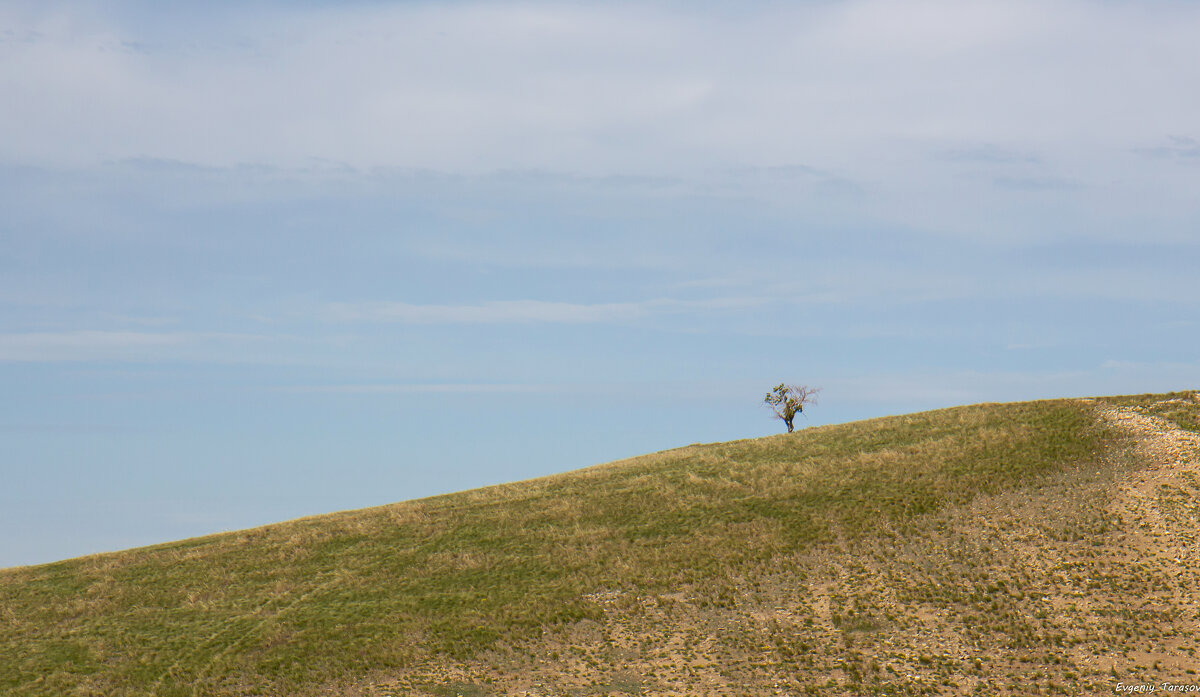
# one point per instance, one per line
(1019, 548)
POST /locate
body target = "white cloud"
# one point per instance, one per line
(597, 88)
(865, 96)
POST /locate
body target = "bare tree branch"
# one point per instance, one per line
(788, 400)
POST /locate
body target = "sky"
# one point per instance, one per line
(262, 260)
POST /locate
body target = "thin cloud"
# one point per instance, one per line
(1149, 366)
(523, 311)
(953, 387)
(988, 154)
(1177, 148)
(99, 345)
(423, 388)
(1035, 183)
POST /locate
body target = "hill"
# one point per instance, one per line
(1032, 548)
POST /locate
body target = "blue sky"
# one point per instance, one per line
(267, 260)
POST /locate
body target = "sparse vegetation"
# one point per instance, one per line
(788, 400)
(992, 549)
(1179, 408)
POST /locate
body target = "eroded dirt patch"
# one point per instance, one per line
(1087, 581)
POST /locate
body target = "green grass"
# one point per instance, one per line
(320, 605)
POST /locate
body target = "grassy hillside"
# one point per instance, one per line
(989, 549)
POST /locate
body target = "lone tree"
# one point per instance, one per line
(789, 400)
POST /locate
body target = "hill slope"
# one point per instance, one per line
(1017, 548)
